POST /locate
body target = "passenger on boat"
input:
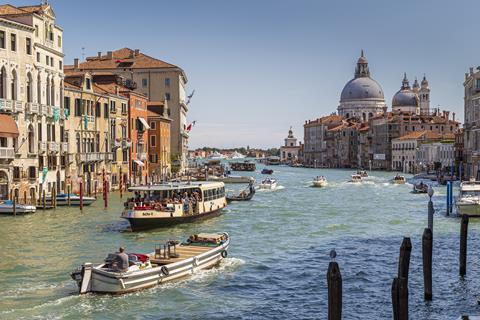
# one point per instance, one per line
(120, 263)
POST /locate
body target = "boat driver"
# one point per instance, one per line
(120, 264)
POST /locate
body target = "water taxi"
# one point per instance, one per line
(398, 179)
(162, 205)
(6, 207)
(356, 178)
(468, 199)
(171, 261)
(420, 188)
(319, 181)
(62, 199)
(268, 183)
(362, 173)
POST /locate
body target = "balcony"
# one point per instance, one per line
(33, 107)
(17, 106)
(53, 146)
(7, 153)
(142, 156)
(6, 105)
(55, 110)
(42, 147)
(109, 156)
(64, 147)
(90, 157)
(46, 111)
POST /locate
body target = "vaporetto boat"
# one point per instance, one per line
(164, 205)
(169, 262)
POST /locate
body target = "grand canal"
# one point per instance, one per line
(277, 261)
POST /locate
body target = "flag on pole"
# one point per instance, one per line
(190, 126)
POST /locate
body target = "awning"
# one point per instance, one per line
(144, 122)
(140, 163)
(9, 128)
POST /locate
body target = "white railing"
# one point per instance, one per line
(7, 153)
(6, 105)
(33, 107)
(46, 110)
(53, 146)
(92, 156)
(17, 106)
(42, 146)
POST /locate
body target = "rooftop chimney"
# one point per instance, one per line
(75, 63)
(99, 54)
(110, 55)
(116, 90)
(137, 52)
(447, 114)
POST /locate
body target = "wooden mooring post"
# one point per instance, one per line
(69, 191)
(14, 206)
(400, 283)
(334, 282)
(463, 244)
(404, 258)
(25, 197)
(44, 201)
(427, 248)
(81, 195)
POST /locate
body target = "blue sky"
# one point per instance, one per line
(259, 67)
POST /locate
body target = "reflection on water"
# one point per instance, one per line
(277, 260)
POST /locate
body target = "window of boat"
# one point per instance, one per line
(204, 195)
(215, 193)
(470, 194)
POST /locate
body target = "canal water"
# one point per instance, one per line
(277, 262)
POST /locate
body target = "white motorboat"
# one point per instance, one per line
(268, 183)
(62, 199)
(216, 156)
(6, 207)
(356, 178)
(320, 181)
(398, 179)
(362, 173)
(168, 262)
(468, 199)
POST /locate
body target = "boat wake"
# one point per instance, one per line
(270, 190)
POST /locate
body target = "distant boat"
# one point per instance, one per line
(62, 200)
(398, 179)
(420, 188)
(267, 171)
(216, 156)
(268, 183)
(362, 173)
(320, 181)
(237, 155)
(356, 178)
(244, 195)
(6, 207)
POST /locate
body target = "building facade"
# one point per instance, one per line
(471, 154)
(159, 140)
(289, 151)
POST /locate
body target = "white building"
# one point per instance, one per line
(289, 151)
(437, 152)
(31, 92)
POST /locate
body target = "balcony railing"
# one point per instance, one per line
(109, 156)
(53, 146)
(42, 147)
(33, 107)
(92, 156)
(6, 105)
(7, 153)
(17, 106)
(46, 110)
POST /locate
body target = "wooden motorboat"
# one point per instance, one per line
(319, 181)
(168, 204)
(468, 199)
(362, 173)
(244, 195)
(398, 179)
(268, 183)
(6, 207)
(62, 200)
(356, 178)
(168, 262)
(267, 171)
(420, 188)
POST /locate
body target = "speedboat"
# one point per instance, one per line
(268, 183)
(356, 178)
(468, 199)
(362, 173)
(320, 181)
(168, 262)
(398, 179)
(62, 199)
(6, 207)
(267, 171)
(420, 188)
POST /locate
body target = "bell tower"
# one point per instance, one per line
(424, 96)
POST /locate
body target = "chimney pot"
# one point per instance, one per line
(110, 55)
(137, 52)
(75, 63)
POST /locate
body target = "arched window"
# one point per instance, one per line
(31, 139)
(3, 83)
(52, 94)
(347, 115)
(48, 91)
(29, 87)
(78, 143)
(14, 85)
(39, 89)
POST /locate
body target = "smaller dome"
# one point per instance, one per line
(405, 98)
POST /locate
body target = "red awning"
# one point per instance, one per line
(8, 127)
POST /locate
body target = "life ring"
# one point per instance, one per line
(224, 254)
(195, 262)
(165, 271)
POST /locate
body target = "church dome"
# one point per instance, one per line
(405, 97)
(362, 88)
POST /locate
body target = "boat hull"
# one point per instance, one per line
(102, 281)
(19, 209)
(468, 209)
(74, 201)
(140, 224)
(319, 184)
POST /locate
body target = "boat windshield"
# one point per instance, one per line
(470, 194)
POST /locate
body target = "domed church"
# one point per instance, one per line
(415, 99)
(362, 97)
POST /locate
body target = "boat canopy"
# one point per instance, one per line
(178, 186)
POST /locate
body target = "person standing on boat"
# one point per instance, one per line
(120, 263)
